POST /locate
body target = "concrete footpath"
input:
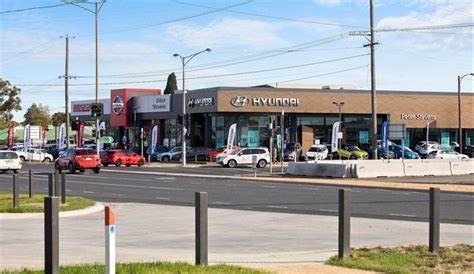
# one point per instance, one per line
(259, 239)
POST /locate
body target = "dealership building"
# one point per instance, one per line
(308, 115)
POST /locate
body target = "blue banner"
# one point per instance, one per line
(384, 136)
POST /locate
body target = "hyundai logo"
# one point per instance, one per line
(240, 101)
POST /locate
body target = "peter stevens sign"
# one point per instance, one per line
(418, 116)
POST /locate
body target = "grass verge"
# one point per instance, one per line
(411, 259)
(148, 268)
(35, 204)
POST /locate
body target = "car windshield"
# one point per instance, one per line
(85, 152)
(353, 148)
(176, 149)
(315, 149)
(236, 152)
(221, 149)
(8, 155)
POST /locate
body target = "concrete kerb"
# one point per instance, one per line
(97, 207)
(319, 181)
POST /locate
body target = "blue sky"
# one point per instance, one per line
(138, 38)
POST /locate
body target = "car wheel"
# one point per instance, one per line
(353, 157)
(82, 170)
(105, 164)
(232, 163)
(127, 165)
(96, 170)
(22, 158)
(16, 170)
(118, 163)
(71, 168)
(262, 163)
(47, 160)
(335, 156)
(165, 159)
(141, 163)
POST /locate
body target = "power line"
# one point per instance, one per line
(324, 74)
(433, 27)
(33, 8)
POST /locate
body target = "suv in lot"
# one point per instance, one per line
(9, 160)
(120, 157)
(78, 159)
(244, 157)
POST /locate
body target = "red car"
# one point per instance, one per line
(120, 157)
(213, 154)
(78, 159)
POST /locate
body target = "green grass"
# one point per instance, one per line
(35, 204)
(411, 259)
(148, 268)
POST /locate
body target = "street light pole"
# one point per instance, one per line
(184, 61)
(66, 88)
(459, 109)
(373, 88)
(339, 104)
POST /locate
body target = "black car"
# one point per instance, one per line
(469, 151)
(386, 155)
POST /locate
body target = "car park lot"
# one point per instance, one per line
(246, 194)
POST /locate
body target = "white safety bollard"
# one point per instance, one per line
(109, 241)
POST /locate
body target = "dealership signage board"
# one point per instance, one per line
(153, 103)
(396, 131)
(243, 101)
(418, 116)
(83, 107)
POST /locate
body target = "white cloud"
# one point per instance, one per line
(227, 32)
(330, 3)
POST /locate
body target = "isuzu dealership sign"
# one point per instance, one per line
(417, 116)
(242, 101)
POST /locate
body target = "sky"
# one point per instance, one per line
(253, 43)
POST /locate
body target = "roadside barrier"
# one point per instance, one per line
(433, 245)
(427, 167)
(51, 235)
(109, 241)
(30, 183)
(201, 237)
(344, 235)
(333, 170)
(16, 191)
(373, 169)
(462, 167)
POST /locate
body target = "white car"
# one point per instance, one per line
(244, 157)
(9, 160)
(35, 155)
(317, 152)
(424, 149)
(166, 156)
(446, 154)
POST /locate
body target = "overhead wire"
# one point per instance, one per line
(33, 8)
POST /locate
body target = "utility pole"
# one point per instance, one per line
(97, 131)
(66, 77)
(372, 76)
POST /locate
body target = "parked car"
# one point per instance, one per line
(291, 151)
(446, 154)
(78, 159)
(404, 152)
(166, 156)
(317, 152)
(244, 157)
(469, 150)
(120, 157)
(35, 155)
(213, 154)
(381, 154)
(9, 160)
(158, 150)
(424, 148)
(351, 152)
(193, 154)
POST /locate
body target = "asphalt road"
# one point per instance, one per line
(249, 195)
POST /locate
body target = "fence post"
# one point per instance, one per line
(50, 185)
(63, 188)
(30, 183)
(434, 220)
(344, 241)
(16, 192)
(109, 241)
(57, 185)
(201, 228)
(51, 235)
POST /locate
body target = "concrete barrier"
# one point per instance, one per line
(291, 168)
(427, 168)
(462, 167)
(374, 169)
(333, 170)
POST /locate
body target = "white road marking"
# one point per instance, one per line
(194, 183)
(117, 194)
(230, 185)
(68, 190)
(85, 191)
(165, 178)
(221, 203)
(310, 188)
(120, 185)
(327, 210)
(402, 215)
(268, 186)
(271, 206)
(162, 198)
(402, 193)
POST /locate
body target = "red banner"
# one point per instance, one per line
(80, 134)
(11, 136)
(43, 132)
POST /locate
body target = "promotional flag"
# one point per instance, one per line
(384, 136)
(43, 133)
(80, 134)
(26, 137)
(231, 136)
(62, 136)
(335, 133)
(11, 136)
(154, 138)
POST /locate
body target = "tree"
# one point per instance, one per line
(9, 100)
(37, 115)
(58, 118)
(171, 85)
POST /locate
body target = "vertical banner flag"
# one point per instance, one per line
(154, 137)
(102, 125)
(62, 136)
(80, 134)
(11, 136)
(335, 133)
(231, 136)
(26, 137)
(384, 136)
